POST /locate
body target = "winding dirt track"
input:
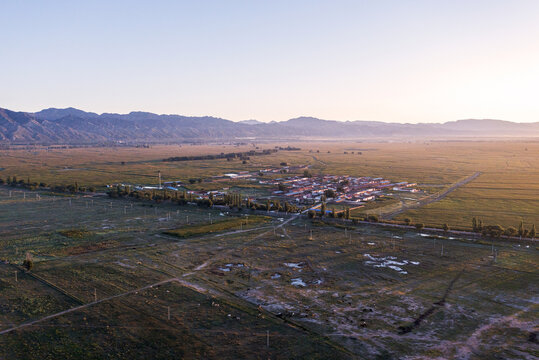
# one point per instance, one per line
(433, 198)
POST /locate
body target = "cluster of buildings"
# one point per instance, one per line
(306, 190)
(346, 189)
(284, 169)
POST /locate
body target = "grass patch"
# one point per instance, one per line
(74, 233)
(231, 223)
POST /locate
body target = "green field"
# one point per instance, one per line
(332, 296)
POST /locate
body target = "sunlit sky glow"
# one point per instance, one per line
(394, 61)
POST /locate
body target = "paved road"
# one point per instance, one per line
(432, 198)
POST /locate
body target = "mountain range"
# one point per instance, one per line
(73, 126)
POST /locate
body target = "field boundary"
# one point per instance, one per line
(48, 283)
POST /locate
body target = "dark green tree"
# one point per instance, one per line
(323, 209)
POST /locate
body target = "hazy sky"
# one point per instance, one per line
(397, 61)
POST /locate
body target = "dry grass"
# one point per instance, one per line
(507, 191)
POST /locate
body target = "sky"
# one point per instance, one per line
(385, 60)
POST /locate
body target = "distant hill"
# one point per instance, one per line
(76, 126)
(251, 122)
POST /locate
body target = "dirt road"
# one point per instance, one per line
(432, 198)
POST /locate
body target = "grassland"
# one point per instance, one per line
(332, 296)
(506, 192)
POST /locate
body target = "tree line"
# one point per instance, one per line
(498, 230)
(232, 200)
(13, 181)
(229, 156)
(332, 214)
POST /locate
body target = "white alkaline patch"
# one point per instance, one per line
(298, 282)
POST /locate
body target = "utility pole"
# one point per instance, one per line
(442, 249)
(159, 174)
(169, 312)
(267, 339)
(95, 295)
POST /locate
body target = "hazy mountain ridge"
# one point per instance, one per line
(76, 126)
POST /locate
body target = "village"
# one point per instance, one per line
(340, 188)
(300, 190)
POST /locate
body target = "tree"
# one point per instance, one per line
(347, 214)
(532, 232)
(493, 230)
(511, 231)
(329, 193)
(445, 227)
(323, 209)
(373, 218)
(474, 224)
(521, 229)
(28, 263)
(407, 221)
(307, 173)
(419, 226)
(311, 214)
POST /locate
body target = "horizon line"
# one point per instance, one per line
(267, 122)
